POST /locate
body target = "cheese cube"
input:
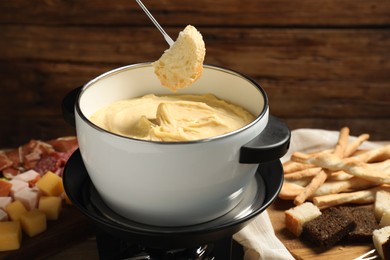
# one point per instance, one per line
(15, 209)
(28, 176)
(29, 197)
(67, 199)
(3, 215)
(4, 201)
(10, 235)
(51, 206)
(33, 222)
(17, 185)
(50, 184)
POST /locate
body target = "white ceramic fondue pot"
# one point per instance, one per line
(175, 183)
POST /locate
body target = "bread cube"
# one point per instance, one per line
(3, 215)
(381, 239)
(4, 201)
(10, 235)
(15, 209)
(50, 184)
(51, 206)
(382, 203)
(385, 220)
(33, 222)
(29, 197)
(297, 216)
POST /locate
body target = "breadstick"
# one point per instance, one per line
(338, 176)
(352, 184)
(291, 166)
(353, 146)
(342, 142)
(358, 197)
(301, 157)
(382, 153)
(380, 166)
(309, 190)
(302, 174)
(290, 190)
(331, 187)
(349, 165)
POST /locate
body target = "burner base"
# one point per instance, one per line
(113, 248)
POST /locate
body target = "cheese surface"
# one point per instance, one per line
(172, 117)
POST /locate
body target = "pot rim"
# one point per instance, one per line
(262, 113)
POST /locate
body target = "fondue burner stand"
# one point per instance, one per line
(113, 248)
(119, 238)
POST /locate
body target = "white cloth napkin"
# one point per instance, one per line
(258, 238)
(259, 241)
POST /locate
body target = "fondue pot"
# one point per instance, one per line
(175, 184)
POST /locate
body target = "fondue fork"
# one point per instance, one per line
(166, 36)
(370, 255)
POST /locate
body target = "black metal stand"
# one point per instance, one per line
(113, 248)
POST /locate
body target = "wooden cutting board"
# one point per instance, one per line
(301, 250)
(72, 227)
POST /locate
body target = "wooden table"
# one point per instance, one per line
(72, 237)
(323, 64)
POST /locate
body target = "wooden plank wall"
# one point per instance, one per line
(324, 63)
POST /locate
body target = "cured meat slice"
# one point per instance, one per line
(5, 188)
(64, 144)
(38, 155)
(5, 162)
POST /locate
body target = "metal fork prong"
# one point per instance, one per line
(367, 257)
(166, 36)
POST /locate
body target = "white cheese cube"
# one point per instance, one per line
(29, 197)
(3, 215)
(4, 201)
(27, 176)
(17, 185)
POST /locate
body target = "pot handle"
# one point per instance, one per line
(68, 103)
(271, 144)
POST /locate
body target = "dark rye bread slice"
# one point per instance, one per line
(329, 228)
(365, 220)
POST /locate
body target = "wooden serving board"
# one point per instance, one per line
(71, 228)
(301, 250)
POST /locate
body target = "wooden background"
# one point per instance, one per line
(324, 63)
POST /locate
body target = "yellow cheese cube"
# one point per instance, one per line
(51, 206)
(50, 184)
(67, 199)
(10, 235)
(15, 209)
(33, 222)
